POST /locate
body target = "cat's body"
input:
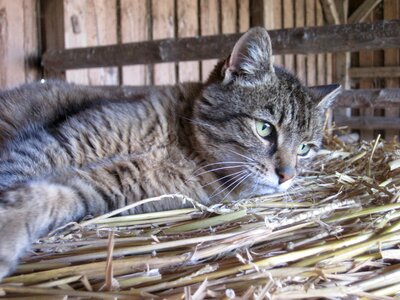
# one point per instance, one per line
(68, 151)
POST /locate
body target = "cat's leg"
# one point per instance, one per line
(34, 208)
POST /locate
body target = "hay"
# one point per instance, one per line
(336, 234)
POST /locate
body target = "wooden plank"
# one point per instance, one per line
(31, 40)
(363, 11)
(366, 59)
(187, 27)
(340, 63)
(278, 24)
(369, 98)
(135, 28)
(163, 27)
(321, 57)
(377, 72)
(330, 11)
(91, 23)
(209, 18)
(376, 35)
(228, 16)
(368, 123)
(12, 54)
(257, 17)
(300, 21)
(392, 58)
(52, 31)
(244, 15)
(311, 58)
(288, 22)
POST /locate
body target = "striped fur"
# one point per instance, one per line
(68, 151)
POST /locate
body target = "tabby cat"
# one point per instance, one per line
(68, 151)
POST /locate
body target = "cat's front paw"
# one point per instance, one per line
(5, 268)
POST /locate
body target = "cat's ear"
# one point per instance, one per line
(325, 95)
(250, 62)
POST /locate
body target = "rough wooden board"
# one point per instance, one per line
(311, 58)
(91, 23)
(368, 123)
(12, 54)
(134, 28)
(330, 11)
(288, 22)
(366, 59)
(163, 27)
(392, 58)
(376, 35)
(374, 72)
(300, 21)
(228, 16)
(52, 31)
(209, 18)
(278, 24)
(187, 27)
(321, 57)
(31, 40)
(244, 15)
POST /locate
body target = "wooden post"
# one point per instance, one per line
(311, 58)
(188, 26)
(340, 61)
(301, 67)
(288, 22)
(244, 15)
(209, 19)
(278, 24)
(391, 56)
(90, 23)
(18, 42)
(135, 28)
(163, 27)
(52, 29)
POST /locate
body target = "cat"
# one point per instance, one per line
(68, 151)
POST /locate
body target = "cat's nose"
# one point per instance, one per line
(285, 173)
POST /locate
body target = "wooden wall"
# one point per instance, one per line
(19, 46)
(140, 20)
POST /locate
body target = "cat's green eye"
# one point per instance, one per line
(303, 149)
(263, 128)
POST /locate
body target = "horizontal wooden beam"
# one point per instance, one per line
(368, 123)
(369, 98)
(330, 38)
(374, 72)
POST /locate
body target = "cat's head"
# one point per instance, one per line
(254, 122)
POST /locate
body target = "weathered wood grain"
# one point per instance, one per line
(188, 26)
(90, 23)
(12, 54)
(163, 27)
(392, 61)
(330, 38)
(209, 22)
(135, 28)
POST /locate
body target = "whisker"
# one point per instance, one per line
(220, 168)
(249, 159)
(240, 181)
(226, 176)
(221, 163)
(235, 181)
